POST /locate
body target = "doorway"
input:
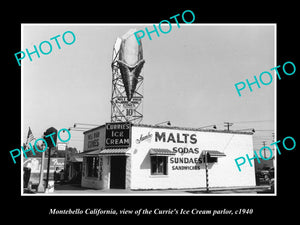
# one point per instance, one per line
(117, 172)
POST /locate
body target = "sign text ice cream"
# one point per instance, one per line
(117, 135)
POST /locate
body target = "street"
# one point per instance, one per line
(71, 189)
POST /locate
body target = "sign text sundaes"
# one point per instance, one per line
(186, 158)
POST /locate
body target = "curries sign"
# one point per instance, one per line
(117, 135)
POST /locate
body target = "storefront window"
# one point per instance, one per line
(92, 166)
(211, 159)
(159, 165)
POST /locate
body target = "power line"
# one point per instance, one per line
(256, 138)
(253, 121)
(264, 130)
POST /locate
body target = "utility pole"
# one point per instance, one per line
(227, 124)
(273, 140)
(264, 143)
(48, 167)
(41, 188)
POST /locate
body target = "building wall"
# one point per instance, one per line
(102, 180)
(224, 173)
(94, 139)
(128, 173)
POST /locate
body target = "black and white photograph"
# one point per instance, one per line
(186, 112)
(132, 112)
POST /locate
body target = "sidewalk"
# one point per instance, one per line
(71, 189)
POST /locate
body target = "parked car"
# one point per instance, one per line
(271, 172)
(272, 185)
(265, 175)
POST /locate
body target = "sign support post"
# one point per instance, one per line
(41, 188)
(206, 172)
(48, 167)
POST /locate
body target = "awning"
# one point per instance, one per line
(76, 159)
(95, 152)
(214, 153)
(108, 152)
(115, 152)
(160, 152)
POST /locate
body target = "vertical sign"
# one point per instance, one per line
(117, 135)
(93, 138)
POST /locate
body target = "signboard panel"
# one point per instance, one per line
(94, 139)
(34, 163)
(117, 135)
(129, 109)
(184, 144)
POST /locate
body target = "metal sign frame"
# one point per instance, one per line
(124, 110)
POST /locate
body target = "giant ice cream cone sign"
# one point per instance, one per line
(127, 80)
(130, 62)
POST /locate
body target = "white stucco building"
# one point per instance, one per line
(128, 156)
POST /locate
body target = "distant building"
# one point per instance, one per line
(73, 167)
(34, 163)
(264, 164)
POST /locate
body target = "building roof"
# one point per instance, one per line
(161, 152)
(94, 128)
(181, 128)
(76, 158)
(93, 152)
(192, 129)
(214, 153)
(115, 151)
(108, 152)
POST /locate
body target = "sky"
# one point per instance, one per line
(189, 77)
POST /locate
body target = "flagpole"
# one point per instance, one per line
(29, 139)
